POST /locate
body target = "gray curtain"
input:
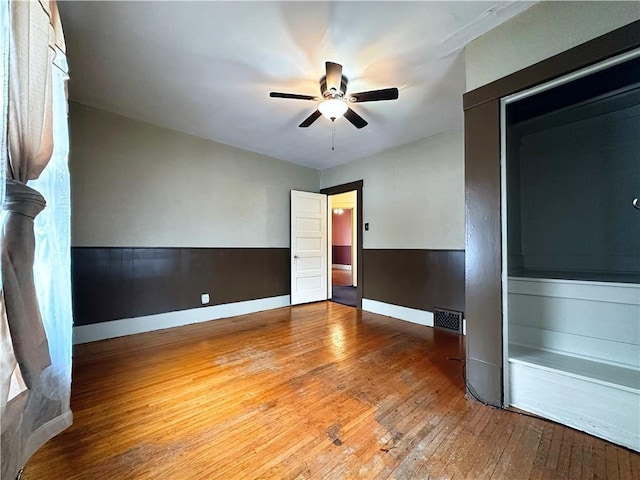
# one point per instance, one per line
(35, 388)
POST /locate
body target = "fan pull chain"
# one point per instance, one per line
(333, 135)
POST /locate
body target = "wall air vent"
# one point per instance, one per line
(448, 320)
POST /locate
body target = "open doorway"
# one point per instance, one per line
(344, 268)
(343, 253)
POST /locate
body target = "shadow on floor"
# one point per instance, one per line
(346, 295)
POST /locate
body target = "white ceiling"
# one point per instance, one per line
(206, 68)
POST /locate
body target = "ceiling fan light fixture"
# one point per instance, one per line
(333, 108)
(334, 102)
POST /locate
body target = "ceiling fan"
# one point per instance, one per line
(333, 102)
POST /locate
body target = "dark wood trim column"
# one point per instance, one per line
(483, 263)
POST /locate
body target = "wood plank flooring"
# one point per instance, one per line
(341, 277)
(315, 391)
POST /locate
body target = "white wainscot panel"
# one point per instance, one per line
(583, 319)
(574, 354)
(589, 348)
(601, 410)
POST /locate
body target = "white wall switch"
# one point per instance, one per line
(204, 298)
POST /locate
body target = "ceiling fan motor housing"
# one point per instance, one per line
(328, 93)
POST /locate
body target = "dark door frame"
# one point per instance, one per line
(349, 187)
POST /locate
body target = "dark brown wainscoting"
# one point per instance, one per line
(421, 279)
(341, 254)
(111, 283)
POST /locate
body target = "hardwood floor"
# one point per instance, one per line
(315, 391)
(341, 277)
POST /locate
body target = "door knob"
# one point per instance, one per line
(635, 203)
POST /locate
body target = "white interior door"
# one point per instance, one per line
(308, 247)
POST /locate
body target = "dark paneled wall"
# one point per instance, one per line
(111, 283)
(341, 254)
(421, 279)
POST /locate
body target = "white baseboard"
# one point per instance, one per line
(339, 266)
(149, 323)
(413, 315)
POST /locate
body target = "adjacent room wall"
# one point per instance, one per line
(161, 217)
(341, 226)
(348, 200)
(414, 204)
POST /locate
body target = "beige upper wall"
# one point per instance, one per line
(544, 30)
(138, 185)
(413, 196)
